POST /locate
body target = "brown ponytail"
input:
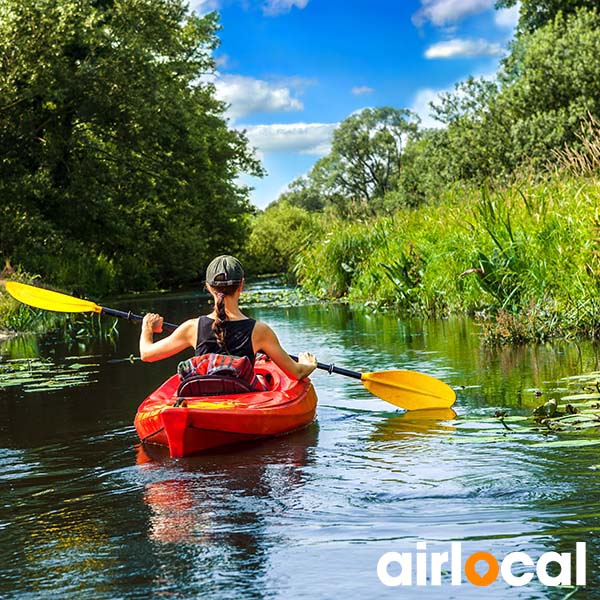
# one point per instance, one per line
(218, 327)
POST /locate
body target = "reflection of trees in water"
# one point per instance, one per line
(63, 550)
(213, 511)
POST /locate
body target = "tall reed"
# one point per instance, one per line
(524, 259)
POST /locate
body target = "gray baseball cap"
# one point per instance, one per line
(223, 271)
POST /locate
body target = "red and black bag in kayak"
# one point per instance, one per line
(217, 374)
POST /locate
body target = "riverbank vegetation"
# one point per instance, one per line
(525, 259)
(119, 172)
(494, 214)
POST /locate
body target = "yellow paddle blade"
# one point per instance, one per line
(409, 390)
(48, 300)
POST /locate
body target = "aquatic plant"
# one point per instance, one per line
(525, 258)
(44, 375)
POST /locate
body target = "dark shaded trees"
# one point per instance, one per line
(117, 168)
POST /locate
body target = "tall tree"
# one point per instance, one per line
(367, 151)
(536, 13)
(115, 153)
(546, 87)
(557, 85)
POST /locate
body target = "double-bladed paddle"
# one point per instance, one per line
(407, 389)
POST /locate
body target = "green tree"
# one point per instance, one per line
(278, 236)
(472, 146)
(545, 89)
(367, 152)
(556, 88)
(317, 191)
(303, 193)
(114, 150)
(536, 13)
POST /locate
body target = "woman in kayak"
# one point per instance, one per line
(226, 330)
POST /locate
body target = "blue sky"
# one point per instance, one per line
(291, 70)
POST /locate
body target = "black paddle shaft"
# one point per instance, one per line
(333, 369)
(131, 317)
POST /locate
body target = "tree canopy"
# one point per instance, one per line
(546, 88)
(117, 167)
(366, 162)
(533, 14)
(367, 148)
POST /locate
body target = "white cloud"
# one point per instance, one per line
(247, 96)
(445, 12)
(361, 90)
(223, 61)
(203, 7)
(421, 106)
(508, 17)
(270, 8)
(305, 138)
(461, 47)
(279, 7)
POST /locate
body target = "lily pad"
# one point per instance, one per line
(43, 375)
(576, 397)
(513, 419)
(567, 443)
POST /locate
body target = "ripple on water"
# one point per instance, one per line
(15, 464)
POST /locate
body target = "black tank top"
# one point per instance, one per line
(238, 338)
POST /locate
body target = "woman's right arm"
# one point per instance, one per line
(265, 340)
(183, 337)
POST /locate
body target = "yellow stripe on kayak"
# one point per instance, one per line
(228, 405)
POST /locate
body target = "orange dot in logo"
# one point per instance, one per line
(473, 576)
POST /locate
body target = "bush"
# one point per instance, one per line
(278, 236)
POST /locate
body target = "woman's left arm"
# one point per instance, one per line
(183, 337)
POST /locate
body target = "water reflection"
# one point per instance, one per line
(22, 346)
(87, 514)
(219, 506)
(413, 424)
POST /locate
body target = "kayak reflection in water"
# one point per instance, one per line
(226, 330)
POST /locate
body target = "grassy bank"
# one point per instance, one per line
(525, 259)
(17, 318)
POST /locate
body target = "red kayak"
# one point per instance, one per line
(203, 422)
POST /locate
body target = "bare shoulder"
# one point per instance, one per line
(264, 338)
(190, 323)
(262, 330)
(261, 327)
(189, 330)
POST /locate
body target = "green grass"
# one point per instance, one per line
(525, 260)
(17, 318)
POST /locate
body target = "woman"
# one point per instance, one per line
(226, 330)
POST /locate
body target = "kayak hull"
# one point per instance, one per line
(205, 422)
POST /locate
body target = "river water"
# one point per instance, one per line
(86, 512)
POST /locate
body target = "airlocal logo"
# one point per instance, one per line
(425, 568)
